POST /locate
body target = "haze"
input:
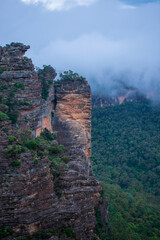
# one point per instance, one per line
(107, 41)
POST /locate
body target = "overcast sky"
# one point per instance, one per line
(106, 41)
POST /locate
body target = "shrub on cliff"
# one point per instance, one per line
(3, 116)
(2, 70)
(15, 150)
(5, 231)
(47, 135)
(19, 85)
(70, 75)
(16, 163)
(13, 115)
(46, 76)
(54, 149)
(12, 138)
(32, 145)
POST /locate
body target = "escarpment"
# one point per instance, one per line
(48, 191)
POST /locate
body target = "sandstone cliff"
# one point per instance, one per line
(48, 191)
(73, 117)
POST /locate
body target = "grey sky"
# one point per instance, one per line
(104, 40)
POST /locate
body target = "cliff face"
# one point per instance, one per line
(40, 190)
(129, 95)
(73, 116)
(21, 86)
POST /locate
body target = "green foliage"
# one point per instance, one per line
(47, 135)
(71, 76)
(25, 135)
(5, 130)
(52, 114)
(25, 60)
(7, 104)
(55, 171)
(5, 231)
(126, 150)
(36, 161)
(3, 116)
(11, 138)
(69, 232)
(15, 150)
(16, 163)
(131, 217)
(3, 87)
(19, 85)
(46, 76)
(24, 103)
(32, 145)
(55, 149)
(58, 188)
(58, 192)
(100, 228)
(26, 120)
(40, 147)
(2, 70)
(13, 115)
(12, 94)
(65, 159)
(56, 154)
(44, 235)
(125, 155)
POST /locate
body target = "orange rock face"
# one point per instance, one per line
(73, 115)
(45, 121)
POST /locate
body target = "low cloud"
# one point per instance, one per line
(128, 7)
(106, 63)
(122, 48)
(59, 4)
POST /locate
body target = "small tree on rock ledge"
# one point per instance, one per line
(70, 75)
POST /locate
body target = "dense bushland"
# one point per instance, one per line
(126, 157)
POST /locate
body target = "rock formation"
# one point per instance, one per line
(73, 115)
(36, 194)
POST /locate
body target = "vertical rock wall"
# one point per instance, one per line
(72, 120)
(28, 200)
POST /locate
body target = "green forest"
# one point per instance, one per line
(126, 159)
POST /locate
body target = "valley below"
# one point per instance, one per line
(126, 159)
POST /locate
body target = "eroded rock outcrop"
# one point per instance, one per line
(73, 117)
(20, 84)
(35, 196)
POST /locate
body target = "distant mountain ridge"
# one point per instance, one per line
(129, 95)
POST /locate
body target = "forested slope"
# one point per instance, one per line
(126, 157)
